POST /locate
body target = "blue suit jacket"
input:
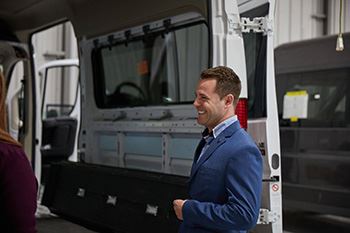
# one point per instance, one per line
(225, 185)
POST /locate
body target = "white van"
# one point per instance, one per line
(139, 65)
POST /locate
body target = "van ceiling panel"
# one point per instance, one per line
(89, 17)
(105, 16)
(22, 15)
(12, 7)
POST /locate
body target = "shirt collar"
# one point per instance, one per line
(220, 127)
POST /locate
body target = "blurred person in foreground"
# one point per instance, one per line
(18, 186)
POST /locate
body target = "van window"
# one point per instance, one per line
(328, 96)
(155, 69)
(59, 88)
(255, 51)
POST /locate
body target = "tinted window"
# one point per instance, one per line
(255, 51)
(328, 96)
(156, 69)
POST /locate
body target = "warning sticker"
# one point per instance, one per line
(275, 187)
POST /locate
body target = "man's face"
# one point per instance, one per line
(210, 108)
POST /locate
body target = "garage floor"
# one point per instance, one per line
(58, 225)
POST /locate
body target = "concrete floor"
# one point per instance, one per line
(58, 225)
(293, 223)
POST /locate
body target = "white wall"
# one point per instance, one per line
(305, 19)
(298, 20)
(333, 16)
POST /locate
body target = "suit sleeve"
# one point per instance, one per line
(243, 189)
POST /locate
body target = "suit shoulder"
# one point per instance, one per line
(242, 139)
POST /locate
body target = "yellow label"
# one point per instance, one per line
(296, 93)
(293, 119)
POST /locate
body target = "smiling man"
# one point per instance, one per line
(226, 175)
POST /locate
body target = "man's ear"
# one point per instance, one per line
(229, 100)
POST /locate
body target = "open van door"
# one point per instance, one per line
(57, 122)
(257, 19)
(14, 59)
(58, 101)
(15, 96)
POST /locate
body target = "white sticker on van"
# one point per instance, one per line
(295, 105)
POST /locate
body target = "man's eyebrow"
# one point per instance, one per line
(203, 95)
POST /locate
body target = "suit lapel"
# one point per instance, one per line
(213, 146)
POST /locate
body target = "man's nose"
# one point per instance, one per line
(195, 102)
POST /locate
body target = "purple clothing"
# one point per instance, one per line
(18, 189)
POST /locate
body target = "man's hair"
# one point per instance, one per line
(227, 81)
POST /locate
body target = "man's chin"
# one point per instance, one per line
(201, 122)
